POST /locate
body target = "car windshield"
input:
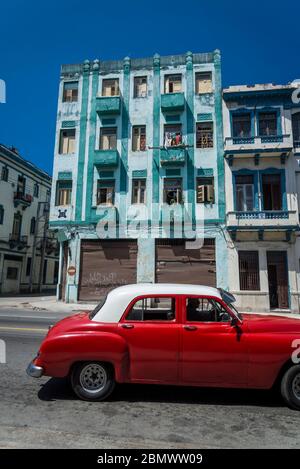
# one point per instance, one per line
(229, 299)
(98, 307)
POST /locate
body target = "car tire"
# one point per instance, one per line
(92, 381)
(290, 387)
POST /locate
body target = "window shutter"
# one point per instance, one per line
(210, 194)
(200, 194)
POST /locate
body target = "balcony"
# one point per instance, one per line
(258, 147)
(106, 158)
(17, 241)
(171, 156)
(264, 225)
(22, 199)
(172, 102)
(108, 105)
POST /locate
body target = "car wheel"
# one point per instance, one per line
(290, 387)
(92, 381)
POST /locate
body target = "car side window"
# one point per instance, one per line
(153, 309)
(205, 310)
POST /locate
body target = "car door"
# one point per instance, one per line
(151, 329)
(213, 351)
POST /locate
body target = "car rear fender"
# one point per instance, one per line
(59, 353)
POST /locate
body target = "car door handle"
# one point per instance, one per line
(127, 326)
(190, 328)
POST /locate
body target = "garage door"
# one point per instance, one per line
(176, 264)
(104, 265)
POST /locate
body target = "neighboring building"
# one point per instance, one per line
(24, 238)
(132, 132)
(262, 180)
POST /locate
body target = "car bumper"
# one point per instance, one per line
(34, 371)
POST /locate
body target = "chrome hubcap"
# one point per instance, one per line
(93, 377)
(296, 386)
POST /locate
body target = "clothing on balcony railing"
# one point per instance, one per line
(173, 139)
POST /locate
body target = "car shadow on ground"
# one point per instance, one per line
(59, 389)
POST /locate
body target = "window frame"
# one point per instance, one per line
(211, 124)
(108, 184)
(197, 80)
(167, 178)
(61, 141)
(179, 126)
(58, 189)
(4, 173)
(241, 252)
(208, 297)
(206, 201)
(102, 134)
(136, 86)
(1, 214)
(74, 96)
(139, 138)
(117, 85)
(176, 320)
(167, 83)
(139, 180)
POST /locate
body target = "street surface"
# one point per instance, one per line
(45, 414)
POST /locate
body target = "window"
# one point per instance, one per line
(205, 310)
(105, 192)
(205, 190)
(17, 224)
(32, 225)
(45, 271)
(205, 135)
(140, 87)
(173, 84)
(153, 309)
(138, 191)
(108, 138)
(55, 272)
(4, 173)
(70, 92)
(28, 266)
(110, 87)
(63, 193)
(241, 125)
(36, 190)
(67, 141)
(172, 191)
(139, 138)
(244, 193)
(21, 185)
(296, 129)
(172, 135)
(249, 270)
(203, 81)
(267, 124)
(12, 273)
(271, 188)
(1, 214)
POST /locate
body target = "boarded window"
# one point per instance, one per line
(138, 191)
(139, 138)
(67, 141)
(105, 192)
(205, 135)
(70, 92)
(108, 138)
(173, 83)
(205, 190)
(110, 87)
(140, 87)
(63, 193)
(203, 82)
(249, 270)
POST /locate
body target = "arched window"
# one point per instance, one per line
(296, 129)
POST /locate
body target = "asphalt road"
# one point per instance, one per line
(45, 413)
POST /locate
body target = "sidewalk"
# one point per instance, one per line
(42, 303)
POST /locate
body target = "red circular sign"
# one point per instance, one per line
(72, 270)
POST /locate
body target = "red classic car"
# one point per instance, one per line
(172, 334)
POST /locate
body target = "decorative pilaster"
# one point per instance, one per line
(190, 133)
(219, 135)
(156, 137)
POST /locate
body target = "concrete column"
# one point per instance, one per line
(74, 260)
(146, 260)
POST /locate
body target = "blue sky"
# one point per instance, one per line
(259, 41)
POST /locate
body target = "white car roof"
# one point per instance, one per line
(119, 298)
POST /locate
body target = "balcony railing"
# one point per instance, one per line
(108, 105)
(18, 241)
(263, 215)
(172, 156)
(258, 140)
(106, 158)
(22, 199)
(172, 102)
(263, 218)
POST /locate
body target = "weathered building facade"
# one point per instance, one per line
(28, 251)
(262, 180)
(137, 142)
